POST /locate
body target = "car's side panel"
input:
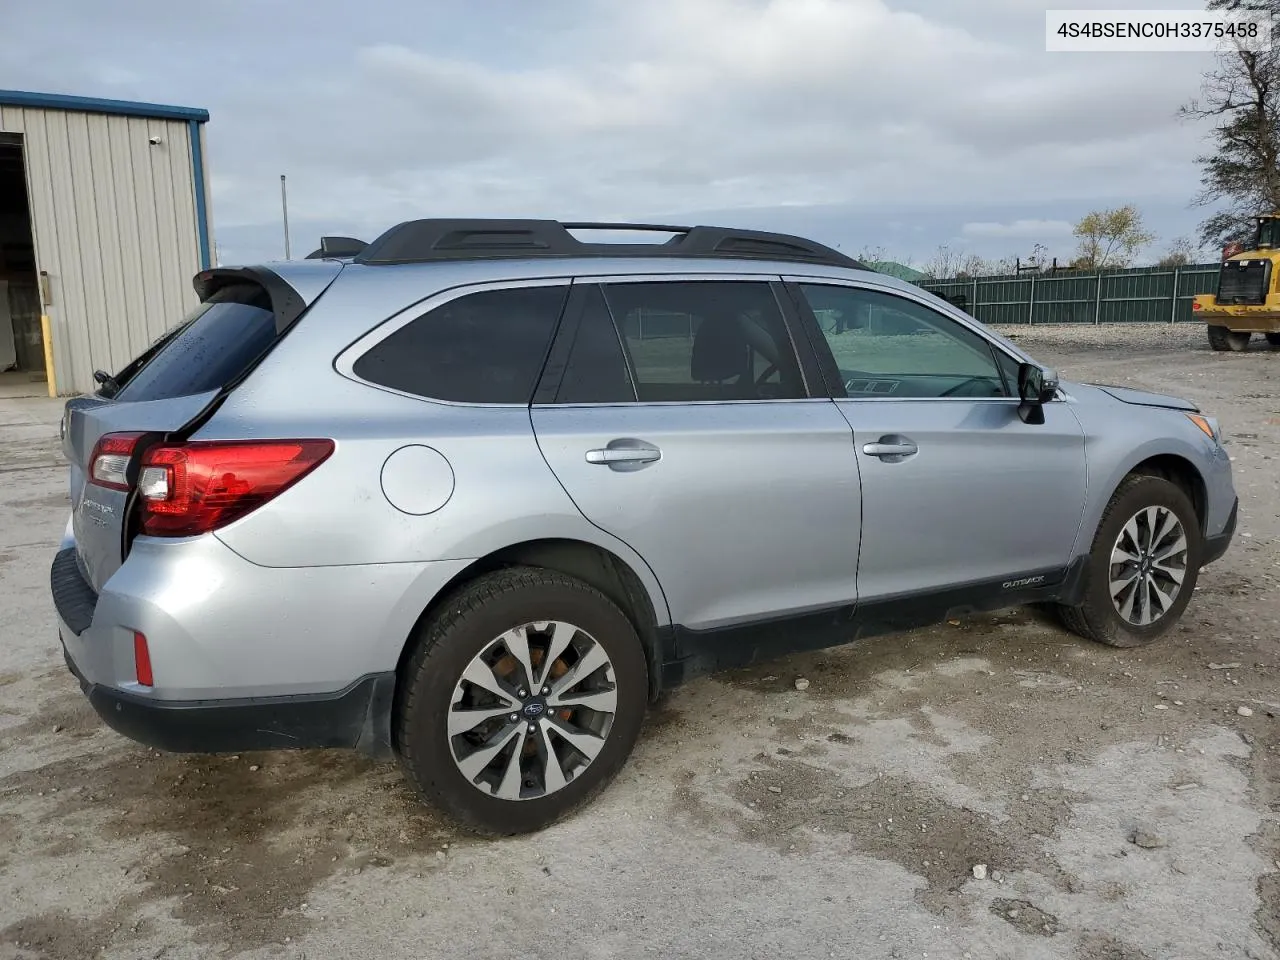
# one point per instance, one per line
(745, 508)
(986, 497)
(500, 491)
(753, 509)
(495, 492)
(1119, 437)
(977, 495)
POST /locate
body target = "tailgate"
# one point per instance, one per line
(243, 314)
(98, 512)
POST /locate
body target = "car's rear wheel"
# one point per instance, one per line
(1220, 338)
(1142, 567)
(1273, 339)
(523, 699)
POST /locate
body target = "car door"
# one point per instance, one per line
(956, 489)
(681, 423)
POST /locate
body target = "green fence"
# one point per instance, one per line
(1139, 295)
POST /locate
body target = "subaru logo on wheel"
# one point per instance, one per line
(532, 710)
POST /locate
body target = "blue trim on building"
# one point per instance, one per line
(202, 212)
(122, 108)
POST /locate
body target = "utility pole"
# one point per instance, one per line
(284, 206)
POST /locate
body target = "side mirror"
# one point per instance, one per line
(1036, 387)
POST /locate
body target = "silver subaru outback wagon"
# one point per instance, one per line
(476, 492)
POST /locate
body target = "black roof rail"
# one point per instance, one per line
(337, 247)
(425, 241)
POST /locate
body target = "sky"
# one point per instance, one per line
(898, 125)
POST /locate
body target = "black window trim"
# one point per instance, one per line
(826, 359)
(800, 346)
(344, 362)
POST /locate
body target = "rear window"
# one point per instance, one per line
(216, 343)
(485, 347)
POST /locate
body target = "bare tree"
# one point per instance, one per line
(1182, 252)
(870, 254)
(1110, 238)
(1242, 97)
(948, 264)
(1039, 258)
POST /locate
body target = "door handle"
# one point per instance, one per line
(891, 449)
(625, 454)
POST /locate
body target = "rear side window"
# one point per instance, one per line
(714, 340)
(485, 347)
(597, 370)
(217, 342)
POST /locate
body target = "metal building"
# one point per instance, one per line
(103, 222)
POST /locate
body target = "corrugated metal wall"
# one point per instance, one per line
(114, 219)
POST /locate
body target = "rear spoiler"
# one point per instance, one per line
(286, 303)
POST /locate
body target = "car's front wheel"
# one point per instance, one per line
(522, 700)
(1142, 567)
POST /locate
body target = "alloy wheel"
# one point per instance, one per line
(532, 710)
(1148, 566)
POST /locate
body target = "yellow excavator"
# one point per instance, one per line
(1248, 297)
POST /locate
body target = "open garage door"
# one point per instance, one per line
(21, 345)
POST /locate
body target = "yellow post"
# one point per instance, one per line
(46, 332)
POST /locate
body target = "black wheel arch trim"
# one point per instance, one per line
(1216, 546)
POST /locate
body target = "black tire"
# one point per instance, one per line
(1273, 339)
(1220, 338)
(1097, 617)
(466, 624)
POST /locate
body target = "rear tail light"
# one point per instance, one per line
(109, 462)
(196, 487)
(142, 660)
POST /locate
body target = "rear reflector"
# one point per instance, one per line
(109, 462)
(196, 487)
(142, 660)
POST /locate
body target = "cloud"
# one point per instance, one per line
(592, 109)
(1021, 229)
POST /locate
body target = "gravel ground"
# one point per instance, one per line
(844, 820)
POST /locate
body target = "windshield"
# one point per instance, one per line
(1269, 234)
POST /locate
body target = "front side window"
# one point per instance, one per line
(689, 341)
(484, 347)
(890, 346)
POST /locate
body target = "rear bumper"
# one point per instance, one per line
(264, 661)
(221, 628)
(1216, 546)
(358, 717)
